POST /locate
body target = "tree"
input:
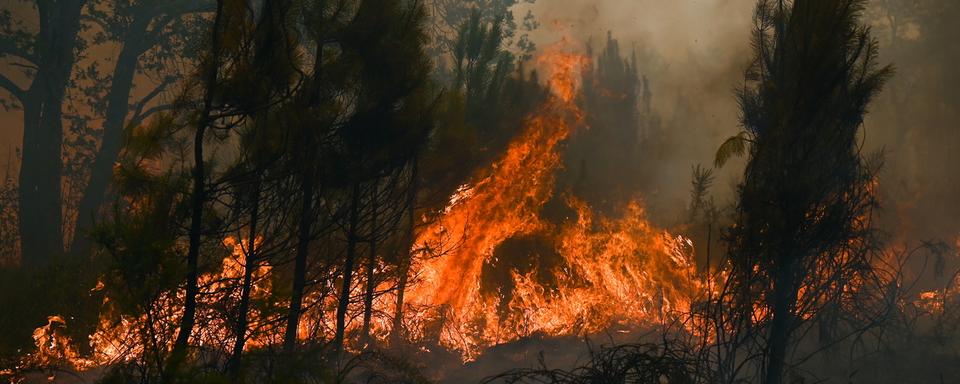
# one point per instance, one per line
(610, 177)
(489, 82)
(482, 107)
(261, 91)
(151, 33)
(46, 57)
(210, 73)
(392, 111)
(310, 119)
(448, 16)
(806, 197)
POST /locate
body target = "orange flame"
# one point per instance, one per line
(612, 271)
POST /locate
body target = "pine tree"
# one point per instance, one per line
(806, 189)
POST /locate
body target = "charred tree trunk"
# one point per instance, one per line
(40, 171)
(308, 187)
(371, 268)
(193, 254)
(352, 238)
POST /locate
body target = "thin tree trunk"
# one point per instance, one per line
(344, 301)
(249, 266)
(371, 267)
(300, 263)
(187, 321)
(307, 190)
(397, 332)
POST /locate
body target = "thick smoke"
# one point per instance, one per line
(693, 53)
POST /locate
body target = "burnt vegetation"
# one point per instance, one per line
(383, 191)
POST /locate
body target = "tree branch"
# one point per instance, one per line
(9, 48)
(138, 107)
(143, 115)
(12, 87)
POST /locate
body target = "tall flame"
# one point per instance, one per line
(506, 198)
(612, 271)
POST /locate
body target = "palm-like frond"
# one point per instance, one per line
(735, 145)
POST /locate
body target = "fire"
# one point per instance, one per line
(622, 271)
(608, 272)
(117, 337)
(506, 198)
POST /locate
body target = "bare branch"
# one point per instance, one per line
(143, 115)
(12, 87)
(138, 107)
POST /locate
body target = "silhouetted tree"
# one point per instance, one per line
(391, 111)
(152, 35)
(447, 17)
(604, 162)
(45, 56)
(209, 77)
(805, 201)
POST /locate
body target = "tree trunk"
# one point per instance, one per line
(397, 332)
(41, 219)
(785, 296)
(307, 189)
(113, 126)
(197, 200)
(249, 266)
(300, 262)
(344, 301)
(193, 254)
(371, 268)
(40, 172)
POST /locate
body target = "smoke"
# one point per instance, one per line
(693, 52)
